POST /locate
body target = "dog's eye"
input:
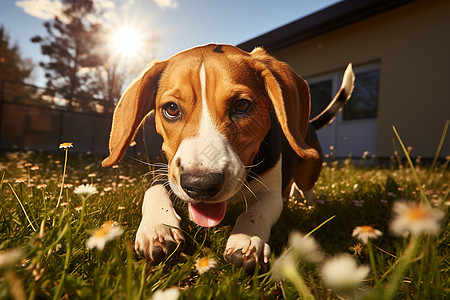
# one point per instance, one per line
(171, 111)
(241, 106)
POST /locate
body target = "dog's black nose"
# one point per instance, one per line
(201, 187)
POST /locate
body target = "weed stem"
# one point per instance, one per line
(63, 176)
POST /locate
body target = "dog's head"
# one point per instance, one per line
(212, 107)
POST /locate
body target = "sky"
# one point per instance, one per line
(177, 24)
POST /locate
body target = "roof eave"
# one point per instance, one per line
(328, 19)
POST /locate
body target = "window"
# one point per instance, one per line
(364, 101)
(321, 93)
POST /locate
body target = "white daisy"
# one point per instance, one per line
(305, 247)
(41, 186)
(108, 232)
(170, 294)
(342, 272)
(415, 218)
(85, 190)
(283, 266)
(21, 180)
(366, 233)
(204, 264)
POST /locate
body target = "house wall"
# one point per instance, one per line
(412, 44)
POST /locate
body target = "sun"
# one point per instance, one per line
(126, 41)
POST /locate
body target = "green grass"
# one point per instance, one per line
(56, 264)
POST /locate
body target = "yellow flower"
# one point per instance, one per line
(365, 233)
(108, 232)
(21, 180)
(204, 264)
(415, 219)
(65, 145)
(357, 249)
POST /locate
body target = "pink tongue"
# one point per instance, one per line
(207, 214)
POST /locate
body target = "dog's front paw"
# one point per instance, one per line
(247, 251)
(157, 242)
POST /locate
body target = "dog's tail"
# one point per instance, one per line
(328, 114)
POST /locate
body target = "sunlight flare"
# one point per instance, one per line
(126, 41)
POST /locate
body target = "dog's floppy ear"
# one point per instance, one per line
(290, 97)
(134, 105)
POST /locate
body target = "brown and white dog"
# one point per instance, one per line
(233, 123)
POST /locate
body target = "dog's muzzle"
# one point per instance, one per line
(201, 187)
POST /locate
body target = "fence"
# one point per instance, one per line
(35, 118)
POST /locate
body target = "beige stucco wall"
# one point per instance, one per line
(412, 44)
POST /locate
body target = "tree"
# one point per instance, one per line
(14, 70)
(12, 66)
(111, 82)
(70, 46)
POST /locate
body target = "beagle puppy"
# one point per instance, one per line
(235, 125)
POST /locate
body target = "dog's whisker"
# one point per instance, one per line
(253, 175)
(159, 173)
(147, 163)
(259, 181)
(255, 165)
(247, 186)
(164, 168)
(159, 178)
(243, 198)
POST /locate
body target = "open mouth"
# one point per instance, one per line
(207, 214)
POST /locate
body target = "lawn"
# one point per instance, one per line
(45, 228)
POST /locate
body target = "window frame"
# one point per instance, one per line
(336, 80)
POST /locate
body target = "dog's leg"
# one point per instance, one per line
(247, 244)
(307, 171)
(309, 195)
(158, 235)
